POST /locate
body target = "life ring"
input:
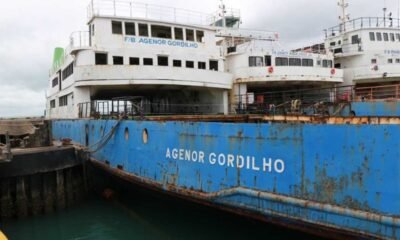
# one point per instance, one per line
(270, 70)
(333, 71)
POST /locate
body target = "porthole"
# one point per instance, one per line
(145, 136)
(126, 134)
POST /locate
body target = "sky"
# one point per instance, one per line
(31, 29)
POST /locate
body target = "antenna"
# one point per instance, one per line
(344, 17)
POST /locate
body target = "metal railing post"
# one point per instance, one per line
(115, 10)
(130, 8)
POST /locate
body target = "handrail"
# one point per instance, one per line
(126, 8)
(363, 22)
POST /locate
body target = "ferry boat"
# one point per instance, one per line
(194, 106)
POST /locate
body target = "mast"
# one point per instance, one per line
(223, 12)
(344, 17)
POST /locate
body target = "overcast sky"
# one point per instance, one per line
(30, 29)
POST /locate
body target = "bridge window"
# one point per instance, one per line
(189, 35)
(355, 40)
(101, 59)
(53, 103)
(68, 71)
(199, 36)
(143, 30)
(177, 63)
(63, 101)
(256, 61)
(397, 60)
(327, 63)
(147, 61)
(55, 82)
(130, 28)
(189, 64)
(379, 36)
(117, 60)
(116, 27)
(162, 61)
(294, 62)
(178, 33)
(386, 37)
(213, 65)
(390, 60)
(392, 37)
(268, 61)
(398, 37)
(307, 62)
(280, 61)
(161, 31)
(372, 36)
(201, 65)
(373, 61)
(134, 61)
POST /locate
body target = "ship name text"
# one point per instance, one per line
(161, 42)
(267, 164)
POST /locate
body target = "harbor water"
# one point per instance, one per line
(142, 214)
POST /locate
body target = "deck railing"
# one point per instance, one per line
(364, 22)
(124, 8)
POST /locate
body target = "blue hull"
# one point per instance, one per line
(344, 177)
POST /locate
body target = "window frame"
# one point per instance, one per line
(114, 30)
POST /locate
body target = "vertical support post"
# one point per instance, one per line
(146, 10)
(115, 10)
(130, 8)
(21, 200)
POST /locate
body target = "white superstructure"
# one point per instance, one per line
(172, 61)
(366, 48)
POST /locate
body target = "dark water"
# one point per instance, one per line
(141, 214)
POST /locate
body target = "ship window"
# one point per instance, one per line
(55, 82)
(333, 44)
(177, 63)
(385, 37)
(373, 61)
(256, 61)
(372, 36)
(162, 61)
(199, 36)
(397, 60)
(392, 37)
(319, 62)
(53, 103)
(147, 61)
(68, 71)
(116, 27)
(117, 60)
(279, 61)
(294, 62)
(189, 35)
(268, 61)
(189, 64)
(379, 36)
(338, 65)
(213, 65)
(158, 31)
(143, 30)
(390, 60)
(134, 61)
(101, 59)
(307, 62)
(130, 28)
(354, 39)
(327, 63)
(398, 36)
(201, 65)
(63, 101)
(178, 34)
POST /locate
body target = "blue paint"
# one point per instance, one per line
(343, 168)
(376, 109)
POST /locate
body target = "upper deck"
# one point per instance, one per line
(136, 10)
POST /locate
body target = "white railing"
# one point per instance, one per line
(124, 8)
